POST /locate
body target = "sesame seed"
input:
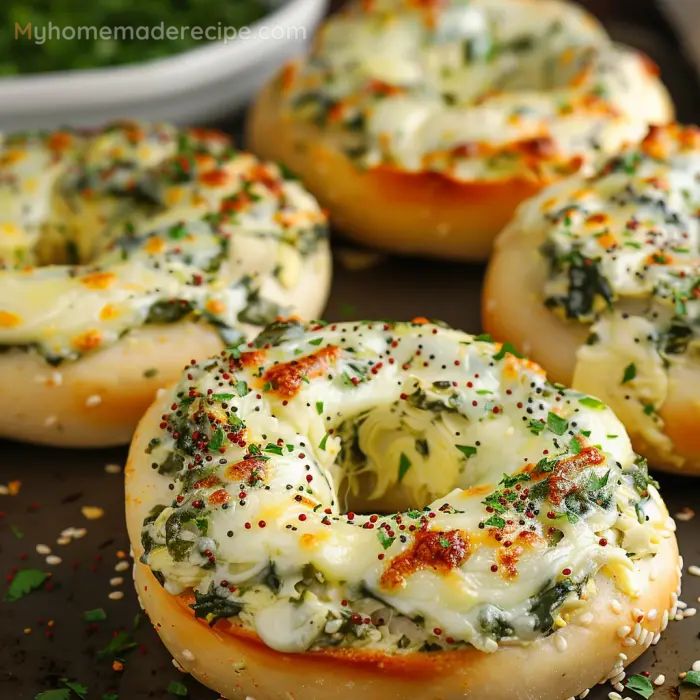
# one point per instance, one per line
(92, 512)
(43, 549)
(53, 560)
(116, 581)
(694, 570)
(116, 595)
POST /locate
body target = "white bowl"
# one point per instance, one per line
(198, 85)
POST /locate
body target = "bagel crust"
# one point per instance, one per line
(605, 272)
(127, 252)
(261, 588)
(421, 126)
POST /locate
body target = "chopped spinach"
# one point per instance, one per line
(213, 607)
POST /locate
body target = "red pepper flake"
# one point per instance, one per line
(207, 482)
(253, 358)
(59, 140)
(561, 481)
(249, 469)
(286, 378)
(538, 147)
(214, 178)
(219, 497)
(438, 550)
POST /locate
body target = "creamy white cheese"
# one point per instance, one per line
(101, 233)
(623, 251)
(478, 89)
(486, 497)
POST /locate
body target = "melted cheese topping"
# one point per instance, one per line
(532, 490)
(103, 232)
(623, 251)
(476, 89)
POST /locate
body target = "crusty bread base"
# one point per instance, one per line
(420, 213)
(512, 309)
(237, 665)
(96, 401)
(417, 213)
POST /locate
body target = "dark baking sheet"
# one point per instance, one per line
(43, 637)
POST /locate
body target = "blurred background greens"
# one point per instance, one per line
(22, 55)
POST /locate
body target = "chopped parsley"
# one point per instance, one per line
(24, 582)
(506, 349)
(557, 424)
(467, 450)
(96, 615)
(640, 685)
(384, 538)
(630, 373)
(495, 521)
(177, 688)
(404, 466)
(692, 678)
(591, 402)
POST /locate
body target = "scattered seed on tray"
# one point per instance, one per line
(92, 512)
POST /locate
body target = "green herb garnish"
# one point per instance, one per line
(404, 466)
(630, 373)
(640, 685)
(24, 582)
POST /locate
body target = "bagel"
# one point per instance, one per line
(276, 505)
(421, 125)
(127, 251)
(606, 273)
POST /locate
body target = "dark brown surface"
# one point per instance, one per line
(55, 484)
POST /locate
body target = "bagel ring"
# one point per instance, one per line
(125, 252)
(276, 504)
(421, 125)
(606, 272)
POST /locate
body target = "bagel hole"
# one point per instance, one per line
(386, 465)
